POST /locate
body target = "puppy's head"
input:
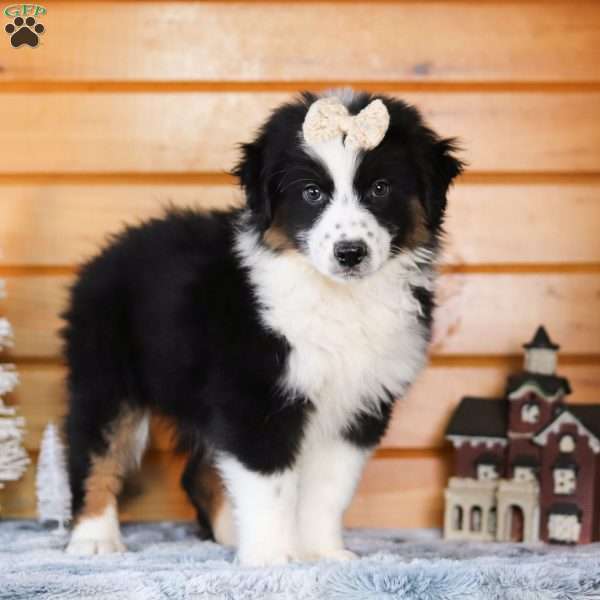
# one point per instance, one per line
(348, 192)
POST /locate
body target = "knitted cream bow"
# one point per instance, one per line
(328, 117)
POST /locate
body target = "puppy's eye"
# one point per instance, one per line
(312, 194)
(380, 189)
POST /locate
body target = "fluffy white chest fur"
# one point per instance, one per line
(351, 342)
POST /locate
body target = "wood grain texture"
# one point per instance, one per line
(418, 422)
(477, 313)
(401, 493)
(30, 237)
(523, 224)
(34, 305)
(489, 313)
(47, 224)
(394, 492)
(279, 41)
(191, 132)
(109, 127)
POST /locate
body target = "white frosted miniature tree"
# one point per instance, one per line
(52, 482)
(13, 457)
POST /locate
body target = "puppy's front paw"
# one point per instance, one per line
(83, 547)
(265, 557)
(339, 554)
(96, 535)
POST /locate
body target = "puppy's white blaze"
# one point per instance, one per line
(97, 535)
(351, 343)
(264, 507)
(339, 160)
(344, 217)
(347, 220)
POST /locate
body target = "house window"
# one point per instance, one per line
(475, 519)
(564, 481)
(487, 472)
(564, 528)
(530, 412)
(567, 443)
(457, 518)
(492, 521)
(524, 474)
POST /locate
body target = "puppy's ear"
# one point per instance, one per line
(251, 173)
(442, 169)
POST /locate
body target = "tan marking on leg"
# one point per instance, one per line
(213, 490)
(217, 505)
(223, 524)
(105, 479)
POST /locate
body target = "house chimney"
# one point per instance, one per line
(541, 353)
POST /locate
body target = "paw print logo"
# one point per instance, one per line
(24, 31)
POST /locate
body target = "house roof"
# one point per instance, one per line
(589, 415)
(541, 339)
(549, 384)
(479, 417)
(585, 417)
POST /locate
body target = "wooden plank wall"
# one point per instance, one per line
(101, 128)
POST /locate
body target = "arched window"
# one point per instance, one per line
(457, 518)
(567, 443)
(475, 519)
(492, 521)
(515, 523)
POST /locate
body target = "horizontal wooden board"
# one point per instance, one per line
(477, 314)
(401, 492)
(50, 224)
(41, 398)
(394, 492)
(490, 314)
(33, 306)
(369, 41)
(191, 132)
(521, 224)
(32, 235)
(418, 422)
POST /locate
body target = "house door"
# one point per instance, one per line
(515, 523)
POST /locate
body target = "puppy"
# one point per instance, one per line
(275, 338)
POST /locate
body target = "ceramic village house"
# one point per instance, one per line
(527, 465)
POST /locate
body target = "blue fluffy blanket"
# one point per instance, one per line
(167, 561)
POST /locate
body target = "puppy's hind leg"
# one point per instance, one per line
(97, 476)
(206, 489)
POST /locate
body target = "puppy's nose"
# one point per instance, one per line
(350, 253)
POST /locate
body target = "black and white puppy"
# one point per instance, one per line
(275, 338)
